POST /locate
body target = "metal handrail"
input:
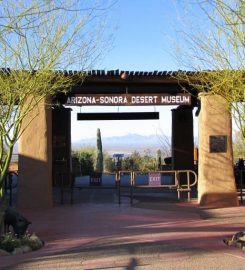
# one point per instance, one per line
(176, 185)
(188, 177)
(240, 172)
(128, 172)
(118, 181)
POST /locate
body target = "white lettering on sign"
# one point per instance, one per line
(81, 100)
(154, 179)
(144, 99)
(129, 99)
(175, 99)
(113, 100)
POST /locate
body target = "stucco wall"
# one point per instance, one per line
(216, 182)
(35, 161)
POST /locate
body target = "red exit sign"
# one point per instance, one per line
(154, 179)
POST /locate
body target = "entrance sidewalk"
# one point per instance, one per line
(147, 235)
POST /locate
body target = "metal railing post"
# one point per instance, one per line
(131, 187)
(118, 179)
(241, 185)
(188, 186)
(177, 182)
(10, 189)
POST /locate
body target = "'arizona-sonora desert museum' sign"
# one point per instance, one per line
(128, 99)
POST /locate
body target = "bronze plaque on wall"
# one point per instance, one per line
(218, 144)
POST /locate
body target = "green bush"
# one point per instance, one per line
(109, 163)
(144, 162)
(32, 241)
(86, 157)
(10, 241)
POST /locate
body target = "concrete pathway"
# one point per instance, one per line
(151, 234)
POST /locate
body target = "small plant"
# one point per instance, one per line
(10, 241)
(32, 241)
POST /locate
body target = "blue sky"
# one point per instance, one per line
(142, 41)
(142, 35)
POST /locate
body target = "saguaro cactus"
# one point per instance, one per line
(158, 159)
(99, 154)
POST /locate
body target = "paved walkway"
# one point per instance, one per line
(97, 233)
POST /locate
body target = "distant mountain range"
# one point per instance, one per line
(123, 144)
(120, 144)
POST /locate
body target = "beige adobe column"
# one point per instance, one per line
(35, 161)
(216, 182)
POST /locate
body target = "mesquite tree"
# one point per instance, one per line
(39, 40)
(99, 154)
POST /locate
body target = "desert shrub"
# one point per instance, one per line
(86, 157)
(33, 241)
(10, 241)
